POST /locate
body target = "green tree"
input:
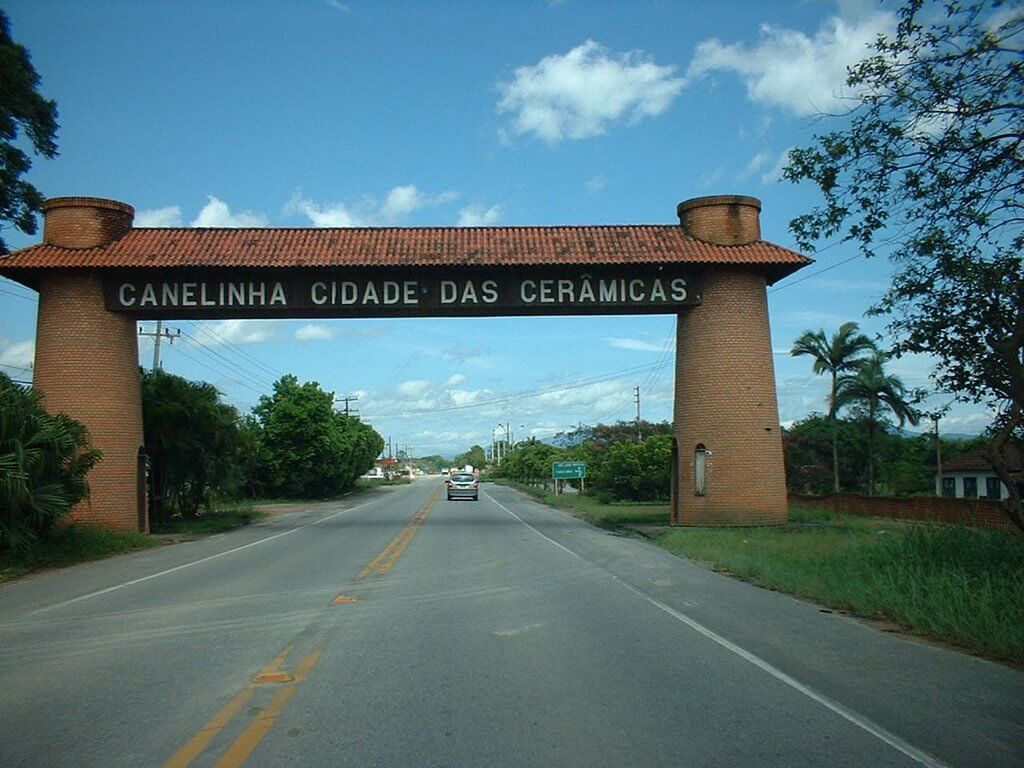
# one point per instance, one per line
(838, 355)
(193, 443)
(22, 108)
(307, 450)
(875, 392)
(44, 459)
(927, 165)
(475, 457)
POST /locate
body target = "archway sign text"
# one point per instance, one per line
(394, 292)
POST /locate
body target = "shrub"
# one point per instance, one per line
(43, 462)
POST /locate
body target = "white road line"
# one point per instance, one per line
(859, 720)
(116, 587)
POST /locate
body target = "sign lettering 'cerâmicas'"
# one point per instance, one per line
(301, 293)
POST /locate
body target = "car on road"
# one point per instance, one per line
(463, 485)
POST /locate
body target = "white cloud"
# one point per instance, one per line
(20, 354)
(579, 94)
(159, 217)
(790, 70)
(596, 184)
(757, 162)
(216, 213)
(774, 173)
(710, 179)
(401, 201)
(329, 215)
(339, 6)
(238, 331)
(635, 344)
(414, 388)
(312, 332)
(455, 378)
(478, 216)
(398, 204)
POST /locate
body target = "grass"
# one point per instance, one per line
(363, 484)
(952, 583)
(69, 545)
(217, 521)
(613, 516)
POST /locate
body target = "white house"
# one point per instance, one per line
(971, 476)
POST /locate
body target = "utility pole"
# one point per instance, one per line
(639, 436)
(347, 399)
(157, 335)
(938, 457)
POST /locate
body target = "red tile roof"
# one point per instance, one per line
(976, 461)
(412, 246)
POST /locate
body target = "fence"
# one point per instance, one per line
(983, 513)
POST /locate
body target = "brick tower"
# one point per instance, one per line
(86, 362)
(730, 466)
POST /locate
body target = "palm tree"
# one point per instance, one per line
(877, 392)
(837, 355)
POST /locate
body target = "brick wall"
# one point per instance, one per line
(87, 366)
(726, 401)
(85, 222)
(984, 513)
(722, 219)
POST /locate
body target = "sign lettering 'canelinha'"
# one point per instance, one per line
(353, 294)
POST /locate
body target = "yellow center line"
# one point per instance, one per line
(252, 736)
(387, 557)
(199, 742)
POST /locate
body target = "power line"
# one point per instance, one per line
(209, 367)
(233, 347)
(229, 364)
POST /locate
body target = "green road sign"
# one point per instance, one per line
(568, 470)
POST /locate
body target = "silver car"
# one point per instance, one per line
(463, 485)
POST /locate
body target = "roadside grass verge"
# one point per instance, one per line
(217, 521)
(613, 516)
(69, 545)
(363, 483)
(957, 584)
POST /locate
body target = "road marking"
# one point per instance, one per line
(864, 723)
(195, 746)
(382, 563)
(116, 587)
(251, 737)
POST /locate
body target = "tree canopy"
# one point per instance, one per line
(928, 167)
(22, 108)
(307, 450)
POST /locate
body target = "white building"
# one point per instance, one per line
(971, 476)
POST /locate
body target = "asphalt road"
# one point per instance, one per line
(399, 629)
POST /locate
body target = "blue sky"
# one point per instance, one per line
(332, 113)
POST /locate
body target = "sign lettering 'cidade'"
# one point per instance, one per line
(333, 295)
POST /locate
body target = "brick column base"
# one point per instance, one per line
(726, 412)
(87, 366)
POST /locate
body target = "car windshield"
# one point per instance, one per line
(463, 478)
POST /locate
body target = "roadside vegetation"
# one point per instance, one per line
(208, 463)
(68, 545)
(952, 583)
(948, 582)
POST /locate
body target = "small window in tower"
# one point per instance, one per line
(700, 469)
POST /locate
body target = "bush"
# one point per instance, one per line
(43, 462)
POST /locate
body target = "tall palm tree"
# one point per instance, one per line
(838, 355)
(877, 392)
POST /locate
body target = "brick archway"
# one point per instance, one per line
(96, 275)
